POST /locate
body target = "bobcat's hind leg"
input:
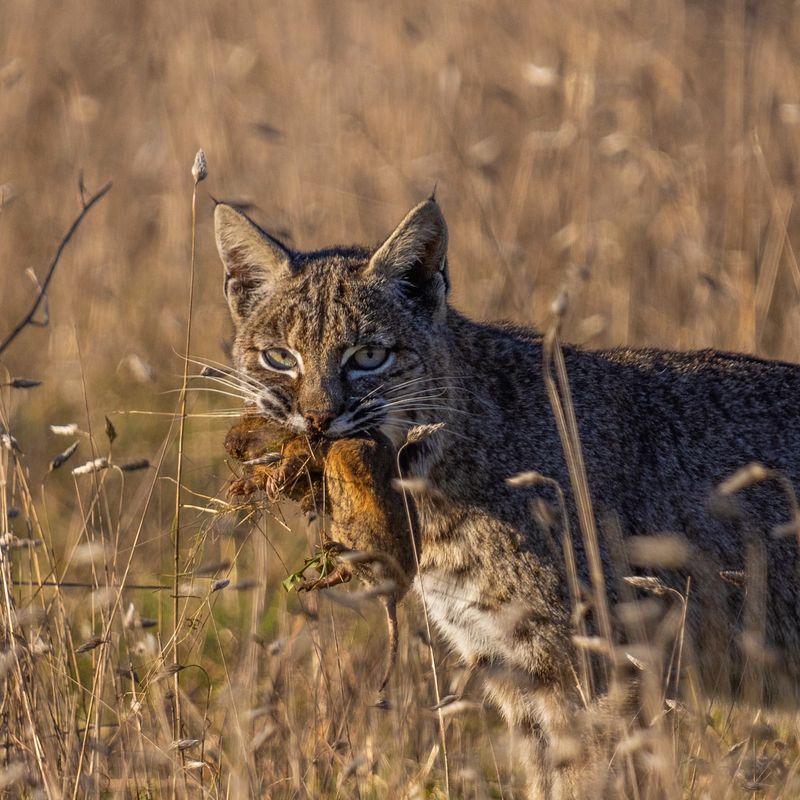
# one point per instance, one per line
(552, 737)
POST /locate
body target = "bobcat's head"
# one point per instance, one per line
(344, 340)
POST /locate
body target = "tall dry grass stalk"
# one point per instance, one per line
(199, 173)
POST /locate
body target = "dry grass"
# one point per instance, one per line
(646, 155)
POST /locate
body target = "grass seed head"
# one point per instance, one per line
(200, 167)
(64, 456)
(647, 583)
(91, 644)
(135, 466)
(411, 485)
(420, 432)
(111, 431)
(24, 383)
(184, 744)
(560, 304)
(530, 478)
(89, 553)
(64, 430)
(668, 551)
(743, 478)
(10, 443)
(734, 577)
(97, 465)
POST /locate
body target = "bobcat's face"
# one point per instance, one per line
(340, 341)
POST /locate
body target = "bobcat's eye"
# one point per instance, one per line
(278, 358)
(368, 358)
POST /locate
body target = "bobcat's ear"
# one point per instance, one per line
(254, 261)
(416, 254)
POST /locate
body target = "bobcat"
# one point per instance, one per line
(347, 341)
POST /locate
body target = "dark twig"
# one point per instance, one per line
(86, 585)
(28, 318)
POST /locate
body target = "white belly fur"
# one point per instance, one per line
(453, 605)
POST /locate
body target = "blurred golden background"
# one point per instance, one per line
(642, 153)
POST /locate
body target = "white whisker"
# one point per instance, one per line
(226, 369)
(214, 391)
(233, 384)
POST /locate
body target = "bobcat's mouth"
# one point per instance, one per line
(365, 418)
(352, 422)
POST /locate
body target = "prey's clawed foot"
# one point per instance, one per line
(340, 574)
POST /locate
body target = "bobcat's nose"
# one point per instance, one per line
(319, 421)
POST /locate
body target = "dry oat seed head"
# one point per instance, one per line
(93, 643)
(560, 304)
(531, 478)
(539, 76)
(133, 466)
(24, 383)
(646, 582)
(411, 485)
(184, 744)
(420, 432)
(595, 644)
(111, 431)
(64, 430)
(91, 466)
(668, 551)
(9, 442)
(89, 553)
(744, 477)
(637, 662)
(736, 577)
(64, 456)
(200, 167)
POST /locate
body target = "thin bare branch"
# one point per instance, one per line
(40, 297)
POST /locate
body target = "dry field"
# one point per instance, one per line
(643, 153)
